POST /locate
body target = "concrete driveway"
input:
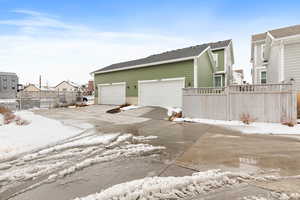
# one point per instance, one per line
(190, 147)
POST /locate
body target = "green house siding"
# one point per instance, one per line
(220, 59)
(132, 76)
(205, 71)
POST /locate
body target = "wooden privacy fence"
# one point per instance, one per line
(264, 103)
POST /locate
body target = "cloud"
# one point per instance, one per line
(45, 45)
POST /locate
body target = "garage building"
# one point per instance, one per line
(158, 80)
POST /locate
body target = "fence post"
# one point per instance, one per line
(294, 109)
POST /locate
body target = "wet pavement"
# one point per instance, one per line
(190, 147)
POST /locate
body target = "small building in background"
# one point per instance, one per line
(8, 85)
(31, 88)
(68, 86)
(238, 77)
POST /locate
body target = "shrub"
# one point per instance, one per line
(246, 118)
(286, 121)
(9, 117)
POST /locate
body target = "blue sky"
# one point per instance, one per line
(65, 40)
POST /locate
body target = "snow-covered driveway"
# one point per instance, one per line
(74, 154)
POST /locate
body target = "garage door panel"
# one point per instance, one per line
(114, 94)
(161, 93)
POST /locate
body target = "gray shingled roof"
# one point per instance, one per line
(169, 55)
(278, 33)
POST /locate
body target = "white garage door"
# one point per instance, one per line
(114, 93)
(165, 92)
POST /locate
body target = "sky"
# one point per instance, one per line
(66, 40)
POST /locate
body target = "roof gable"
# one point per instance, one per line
(167, 56)
(278, 33)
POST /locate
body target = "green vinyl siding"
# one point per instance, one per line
(205, 71)
(132, 76)
(220, 53)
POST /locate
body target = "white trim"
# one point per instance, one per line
(147, 81)
(218, 75)
(282, 62)
(173, 79)
(220, 48)
(195, 73)
(220, 72)
(288, 37)
(103, 84)
(147, 64)
(225, 59)
(260, 76)
(119, 83)
(255, 55)
(203, 51)
(257, 41)
(270, 35)
(262, 47)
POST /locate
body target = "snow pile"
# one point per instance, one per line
(27, 173)
(171, 111)
(253, 128)
(74, 154)
(121, 147)
(131, 107)
(201, 183)
(41, 131)
(170, 187)
(275, 196)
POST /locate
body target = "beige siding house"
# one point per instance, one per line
(68, 86)
(31, 88)
(275, 56)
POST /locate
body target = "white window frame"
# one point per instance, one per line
(216, 59)
(218, 75)
(260, 76)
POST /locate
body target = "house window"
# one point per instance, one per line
(218, 81)
(5, 83)
(13, 84)
(215, 57)
(263, 77)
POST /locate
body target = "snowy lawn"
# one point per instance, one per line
(253, 128)
(41, 131)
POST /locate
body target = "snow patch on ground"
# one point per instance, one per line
(253, 128)
(153, 188)
(41, 131)
(132, 107)
(172, 110)
(74, 154)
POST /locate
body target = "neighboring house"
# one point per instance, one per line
(68, 86)
(8, 85)
(238, 77)
(158, 80)
(275, 56)
(31, 88)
